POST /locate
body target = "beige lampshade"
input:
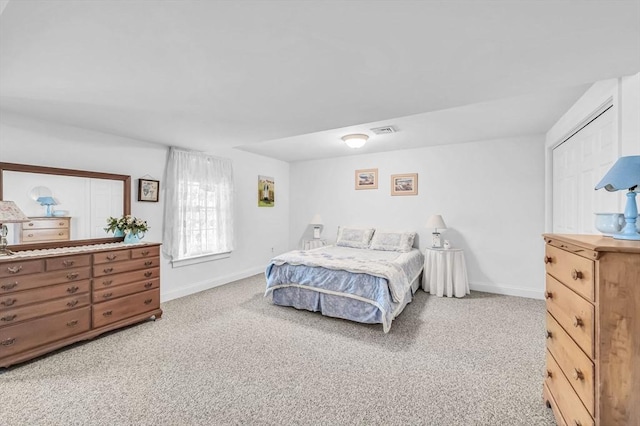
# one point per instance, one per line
(10, 213)
(436, 222)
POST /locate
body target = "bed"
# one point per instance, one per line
(369, 276)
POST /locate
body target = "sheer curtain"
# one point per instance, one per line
(198, 213)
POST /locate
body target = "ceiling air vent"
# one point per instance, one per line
(383, 130)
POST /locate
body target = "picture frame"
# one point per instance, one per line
(148, 190)
(404, 184)
(366, 179)
(266, 191)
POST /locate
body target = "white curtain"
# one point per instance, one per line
(198, 213)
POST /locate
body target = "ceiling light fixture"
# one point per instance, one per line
(356, 140)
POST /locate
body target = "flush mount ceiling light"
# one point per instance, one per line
(356, 140)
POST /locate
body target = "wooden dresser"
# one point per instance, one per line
(593, 330)
(42, 229)
(54, 299)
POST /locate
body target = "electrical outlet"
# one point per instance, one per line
(272, 250)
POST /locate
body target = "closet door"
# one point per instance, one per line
(578, 165)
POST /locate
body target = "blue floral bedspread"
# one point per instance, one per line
(379, 278)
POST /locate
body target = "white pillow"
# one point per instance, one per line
(392, 241)
(354, 237)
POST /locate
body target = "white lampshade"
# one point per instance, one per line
(356, 140)
(10, 213)
(436, 222)
(316, 220)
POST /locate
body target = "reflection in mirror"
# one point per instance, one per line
(63, 205)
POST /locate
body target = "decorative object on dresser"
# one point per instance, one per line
(436, 222)
(66, 295)
(47, 201)
(625, 174)
(9, 213)
(316, 222)
(593, 330)
(609, 223)
(45, 229)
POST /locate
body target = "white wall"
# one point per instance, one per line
(624, 96)
(490, 193)
(260, 232)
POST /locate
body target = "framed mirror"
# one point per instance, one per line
(71, 206)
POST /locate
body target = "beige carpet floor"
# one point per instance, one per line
(229, 356)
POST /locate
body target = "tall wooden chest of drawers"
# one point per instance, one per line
(51, 300)
(593, 330)
(42, 229)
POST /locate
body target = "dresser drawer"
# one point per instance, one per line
(572, 270)
(45, 223)
(13, 316)
(67, 262)
(13, 269)
(108, 281)
(111, 256)
(574, 314)
(577, 367)
(125, 307)
(130, 265)
(142, 252)
(124, 290)
(568, 401)
(18, 283)
(37, 332)
(36, 235)
(22, 298)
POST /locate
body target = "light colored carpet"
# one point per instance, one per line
(229, 356)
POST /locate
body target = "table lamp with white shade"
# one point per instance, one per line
(436, 222)
(9, 213)
(625, 174)
(316, 222)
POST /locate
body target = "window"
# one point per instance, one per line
(199, 206)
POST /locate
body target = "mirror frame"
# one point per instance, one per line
(126, 202)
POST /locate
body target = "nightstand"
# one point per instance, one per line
(315, 243)
(445, 273)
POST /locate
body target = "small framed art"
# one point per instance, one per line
(367, 179)
(406, 184)
(266, 191)
(148, 190)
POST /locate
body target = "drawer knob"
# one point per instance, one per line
(111, 256)
(145, 253)
(577, 374)
(8, 302)
(72, 276)
(576, 275)
(61, 233)
(72, 303)
(9, 286)
(549, 374)
(548, 259)
(106, 283)
(14, 269)
(72, 323)
(107, 313)
(549, 335)
(107, 295)
(8, 318)
(548, 295)
(107, 270)
(30, 224)
(8, 342)
(148, 285)
(148, 263)
(146, 302)
(148, 274)
(68, 263)
(577, 321)
(73, 289)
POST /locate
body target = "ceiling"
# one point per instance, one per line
(287, 79)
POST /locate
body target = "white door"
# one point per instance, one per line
(578, 165)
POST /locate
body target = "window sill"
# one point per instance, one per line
(178, 263)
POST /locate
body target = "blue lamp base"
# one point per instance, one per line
(629, 232)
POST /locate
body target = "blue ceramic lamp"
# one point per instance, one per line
(625, 174)
(47, 201)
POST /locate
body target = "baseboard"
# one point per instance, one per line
(507, 290)
(208, 284)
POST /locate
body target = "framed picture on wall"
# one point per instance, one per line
(367, 179)
(266, 191)
(148, 190)
(406, 184)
